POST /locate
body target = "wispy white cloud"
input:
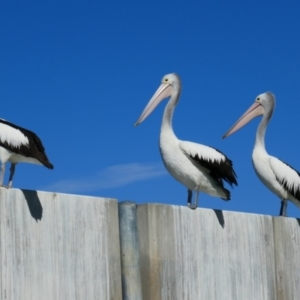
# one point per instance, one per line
(111, 177)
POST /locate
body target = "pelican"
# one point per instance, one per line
(18, 144)
(198, 167)
(278, 176)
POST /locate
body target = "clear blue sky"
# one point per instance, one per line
(79, 73)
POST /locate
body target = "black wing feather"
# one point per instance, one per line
(218, 169)
(284, 183)
(34, 149)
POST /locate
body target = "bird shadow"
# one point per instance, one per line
(34, 204)
(220, 217)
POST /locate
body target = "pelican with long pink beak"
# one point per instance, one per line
(198, 167)
(278, 176)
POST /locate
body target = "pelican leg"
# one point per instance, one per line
(190, 196)
(2, 174)
(11, 175)
(283, 208)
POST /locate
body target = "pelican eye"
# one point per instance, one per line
(258, 99)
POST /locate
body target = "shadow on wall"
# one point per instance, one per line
(34, 204)
(220, 217)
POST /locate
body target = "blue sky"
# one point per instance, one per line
(79, 73)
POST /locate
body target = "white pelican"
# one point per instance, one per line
(19, 145)
(279, 177)
(198, 167)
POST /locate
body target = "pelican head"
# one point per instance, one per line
(171, 79)
(169, 84)
(263, 103)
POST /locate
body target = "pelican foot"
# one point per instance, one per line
(5, 186)
(189, 200)
(192, 206)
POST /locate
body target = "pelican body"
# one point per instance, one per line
(18, 144)
(278, 176)
(198, 167)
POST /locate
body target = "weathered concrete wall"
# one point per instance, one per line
(287, 257)
(65, 247)
(207, 254)
(57, 246)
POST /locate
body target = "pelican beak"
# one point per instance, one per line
(164, 91)
(256, 109)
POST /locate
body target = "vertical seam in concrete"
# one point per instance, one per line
(275, 260)
(129, 252)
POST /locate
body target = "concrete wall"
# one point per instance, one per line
(207, 254)
(56, 246)
(287, 257)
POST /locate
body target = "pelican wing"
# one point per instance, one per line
(22, 141)
(215, 162)
(287, 176)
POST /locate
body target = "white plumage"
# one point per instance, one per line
(11, 136)
(198, 167)
(279, 177)
(204, 152)
(288, 177)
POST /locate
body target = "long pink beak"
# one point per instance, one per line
(256, 109)
(164, 91)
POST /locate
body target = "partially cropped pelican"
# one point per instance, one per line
(198, 167)
(18, 144)
(279, 177)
